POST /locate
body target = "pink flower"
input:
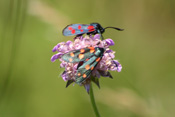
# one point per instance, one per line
(102, 69)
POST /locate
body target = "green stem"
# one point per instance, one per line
(93, 102)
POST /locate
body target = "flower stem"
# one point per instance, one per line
(93, 102)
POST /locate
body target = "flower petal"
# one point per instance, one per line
(109, 42)
(109, 51)
(56, 56)
(118, 66)
(64, 76)
(68, 43)
(56, 47)
(97, 36)
(87, 87)
(63, 64)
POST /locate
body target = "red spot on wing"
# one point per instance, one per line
(73, 31)
(72, 54)
(79, 27)
(87, 59)
(87, 67)
(92, 68)
(92, 49)
(84, 75)
(81, 30)
(98, 59)
(79, 74)
(81, 56)
(90, 27)
(70, 60)
(82, 50)
(91, 30)
(70, 28)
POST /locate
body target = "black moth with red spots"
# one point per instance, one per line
(87, 59)
(80, 29)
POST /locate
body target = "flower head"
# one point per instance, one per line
(100, 68)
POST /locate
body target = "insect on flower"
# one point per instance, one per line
(87, 59)
(80, 29)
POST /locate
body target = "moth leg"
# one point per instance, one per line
(101, 36)
(78, 36)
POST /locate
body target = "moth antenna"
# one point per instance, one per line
(115, 28)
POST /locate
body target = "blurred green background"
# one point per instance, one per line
(31, 86)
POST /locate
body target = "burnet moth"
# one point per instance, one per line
(87, 59)
(80, 29)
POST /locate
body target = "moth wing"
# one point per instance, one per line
(75, 29)
(79, 55)
(84, 71)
